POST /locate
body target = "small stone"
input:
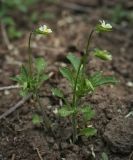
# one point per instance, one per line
(64, 145)
(6, 92)
(86, 152)
(75, 148)
(66, 133)
(50, 140)
(56, 146)
(84, 140)
(129, 84)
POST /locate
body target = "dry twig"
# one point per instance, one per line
(13, 157)
(5, 37)
(16, 106)
(38, 153)
(9, 87)
(131, 156)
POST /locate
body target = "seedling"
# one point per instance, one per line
(31, 77)
(81, 84)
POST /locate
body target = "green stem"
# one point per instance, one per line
(30, 55)
(74, 100)
(86, 54)
(74, 121)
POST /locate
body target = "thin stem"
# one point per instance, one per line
(86, 54)
(74, 121)
(30, 55)
(74, 100)
(44, 115)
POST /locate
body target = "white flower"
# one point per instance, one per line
(43, 30)
(105, 25)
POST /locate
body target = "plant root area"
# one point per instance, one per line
(19, 138)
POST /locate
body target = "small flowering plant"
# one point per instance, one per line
(81, 84)
(31, 77)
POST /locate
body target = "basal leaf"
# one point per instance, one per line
(87, 112)
(106, 80)
(98, 79)
(40, 64)
(43, 78)
(88, 132)
(24, 72)
(75, 61)
(36, 119)
(67, 74)
(65, 111)
(57, 92)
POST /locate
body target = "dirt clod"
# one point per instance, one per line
(119, 135)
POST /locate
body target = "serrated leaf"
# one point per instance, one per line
(75, 61)
(14, 79)
(98, 79)
(40, 64)
(65, 111)
(87, 112)
(107, 80)
(104, 156)
(24, 71)
(67, 74)
(36, 119)
(57, 92)
(88, 132)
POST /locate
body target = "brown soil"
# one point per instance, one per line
(20, 140)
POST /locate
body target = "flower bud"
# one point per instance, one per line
(43, 30)
(103, 54)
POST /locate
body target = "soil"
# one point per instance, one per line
(19, 138)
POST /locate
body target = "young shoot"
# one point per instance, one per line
(82, 84)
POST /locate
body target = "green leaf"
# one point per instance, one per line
(75, 61)
(98, 79)
(40, 64)
(104, 156)
(14, 79)
(87, 112)
(8, 21)
(36, 119)
(42, 78)
(24, 71)
(57, 92)
(65, 111)
(67, 74)
(13, 32)
(88, 132)
(89, 84)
